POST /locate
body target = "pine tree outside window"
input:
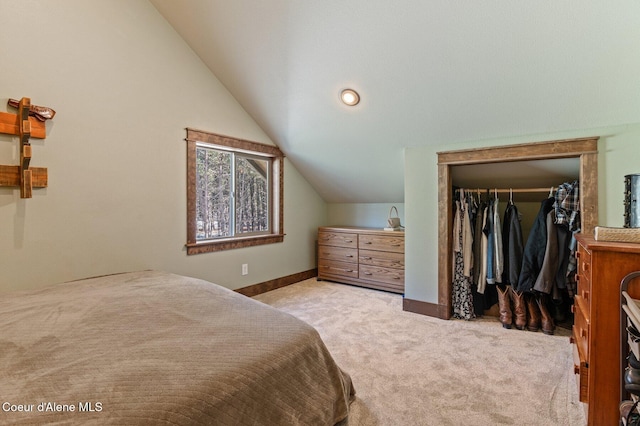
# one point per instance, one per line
(234, 193)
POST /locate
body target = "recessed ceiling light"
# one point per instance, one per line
(350, 97)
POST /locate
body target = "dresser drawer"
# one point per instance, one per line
(342, 254)
(381, 242)
(333, 268)
(581, 327)
(381, 258)
(581, 370)
(383, 275)
(338, 239)
(583, 275)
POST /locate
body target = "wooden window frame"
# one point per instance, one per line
(276, 192)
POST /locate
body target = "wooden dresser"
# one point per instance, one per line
(368, 257)
(596, 329)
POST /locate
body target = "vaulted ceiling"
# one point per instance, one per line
(429, 72)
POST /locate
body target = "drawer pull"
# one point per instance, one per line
(348, 241)
(576, 369)
(577, 277)
(573, 310)
(572, 340)
(349, 255)
(583, 333)
(578, 255)
(585, 266)
(368, 273)
(367, 242)
(585, 295)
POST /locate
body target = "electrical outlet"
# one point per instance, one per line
(245, 269)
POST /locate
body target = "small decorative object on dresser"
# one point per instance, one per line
(393, 223)
(368, 257)
(632, 201)
(596, 331)
(622, 235)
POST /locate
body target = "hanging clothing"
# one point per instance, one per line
(567, 205)
(462, 298)
(534, 249)
(484, 248)
(473, 211)
(491, 244)
(564, 256)
(498, 259)
(567, 208)
(478, 224)
(546, 279)
(467, 239)
(572, 284)
(513, 245)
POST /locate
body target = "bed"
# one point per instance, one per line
(157, 348)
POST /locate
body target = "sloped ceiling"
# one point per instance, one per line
(428, 72)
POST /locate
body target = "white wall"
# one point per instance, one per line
(617, 157)
(373, 215)
(125, 86)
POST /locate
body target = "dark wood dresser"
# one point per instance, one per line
(368, 257)
(596, 329)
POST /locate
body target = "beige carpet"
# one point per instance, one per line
(409, 369)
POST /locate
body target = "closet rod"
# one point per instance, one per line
(520, 190)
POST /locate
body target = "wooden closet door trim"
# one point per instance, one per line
(445, 230)
(584, 148)
(565, 148)
(589, 192)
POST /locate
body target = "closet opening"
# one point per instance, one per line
(526, 173)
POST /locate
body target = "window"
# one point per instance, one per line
(234, 193)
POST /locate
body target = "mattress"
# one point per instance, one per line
(157, 348)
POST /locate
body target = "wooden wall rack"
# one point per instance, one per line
(25, 127)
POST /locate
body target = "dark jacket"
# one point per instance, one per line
(534, 249)
(546, 280)
(512, 245)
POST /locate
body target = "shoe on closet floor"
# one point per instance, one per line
(548, 327)
(533, 322)
(628, 412)
(632, 380)
(504, 303)
(519, 308)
